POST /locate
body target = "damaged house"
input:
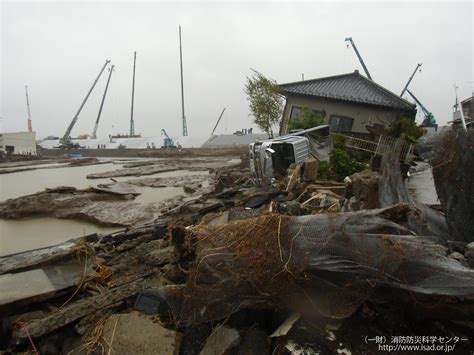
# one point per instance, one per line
(349, 103)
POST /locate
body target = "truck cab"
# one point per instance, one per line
(272, 157)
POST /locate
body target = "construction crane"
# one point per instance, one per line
(167, 141)
(185, 125)
(411, 78)
(218, 120)
(30, 128)
(358, 56)
(429, 118)
(132, 123)
(94, 132)
(65, 142)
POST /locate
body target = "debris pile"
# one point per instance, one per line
(304, 266)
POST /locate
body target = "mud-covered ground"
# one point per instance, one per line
(113, 203)
(311, 267)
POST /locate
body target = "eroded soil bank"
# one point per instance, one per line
(110, 204)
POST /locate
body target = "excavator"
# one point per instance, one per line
(167, 141)
(429, 120)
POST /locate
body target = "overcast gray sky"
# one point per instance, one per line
(58, 48)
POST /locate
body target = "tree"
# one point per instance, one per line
(265, 101)
(340, 165)
(309, 119)
(405, 127)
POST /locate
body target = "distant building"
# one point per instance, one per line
(23, 143)
(349, 103)
(468, 111)
(238, 139)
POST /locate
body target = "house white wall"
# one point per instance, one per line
(18, 142)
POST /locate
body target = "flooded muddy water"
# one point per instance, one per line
(26, 234)
(32, 233)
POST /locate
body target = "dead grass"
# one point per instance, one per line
(245, 257)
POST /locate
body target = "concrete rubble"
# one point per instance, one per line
(304, 266)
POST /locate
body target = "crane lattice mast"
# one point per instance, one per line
(30, 128)
(132, 123)
(65, 140)
(94, 133)
(185, 126)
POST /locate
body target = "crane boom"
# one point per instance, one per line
(168, 142)
(218, 120)
(358, 56)
(411, 78)
(132, 122)
(94, 133)
(30, 128)
(65, 140)
(428, 115)
(165, 134)
(185, 126)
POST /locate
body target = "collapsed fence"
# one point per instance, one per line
(384, 145)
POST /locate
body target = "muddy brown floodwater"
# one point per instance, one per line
(26, 234)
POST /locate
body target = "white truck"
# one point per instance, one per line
(272, 157)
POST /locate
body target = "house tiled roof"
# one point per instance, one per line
(351, 87)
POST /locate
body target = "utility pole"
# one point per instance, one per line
(358, 56)
(459, 107)
(185, 127)
(30, 128)
(411, 78)
(65, 140)
(94, 133)
(132, 123)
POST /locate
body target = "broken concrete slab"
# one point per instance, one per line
(221, 339)
(24, 285)
(39, 284)
(134, 333)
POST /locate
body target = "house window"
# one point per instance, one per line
(297, 113)
(340, 124)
